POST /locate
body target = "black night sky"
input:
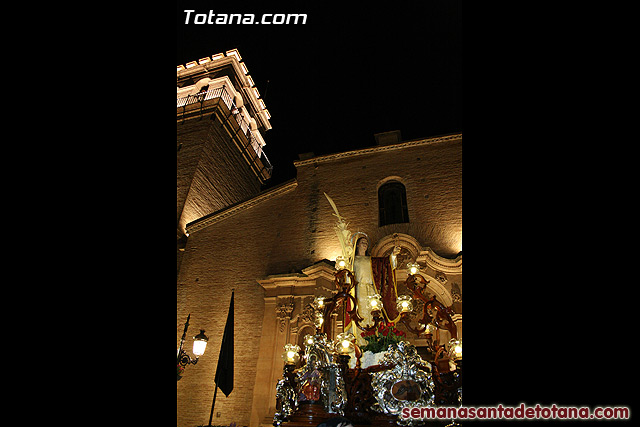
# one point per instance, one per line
(346, 74)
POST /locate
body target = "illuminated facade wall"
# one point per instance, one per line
(271, 248)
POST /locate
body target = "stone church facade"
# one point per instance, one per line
(276, 249)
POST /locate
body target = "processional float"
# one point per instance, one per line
(375, 392)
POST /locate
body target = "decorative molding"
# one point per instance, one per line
(284, 309)
(410, 248)
(413, 251)
(299, 281)
(441, 276)
(378, 149)
(456, 293)
(440, 264)
(307, 315)
(215, 217)
(320, 269)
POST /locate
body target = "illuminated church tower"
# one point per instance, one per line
(220, 121)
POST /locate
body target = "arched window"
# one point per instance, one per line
(392, 203)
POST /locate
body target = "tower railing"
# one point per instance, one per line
(253, 147)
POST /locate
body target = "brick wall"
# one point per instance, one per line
(212, 173)
(292, 231)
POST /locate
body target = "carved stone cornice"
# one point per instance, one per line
(316, 279)
(320, 269)
(378, 149)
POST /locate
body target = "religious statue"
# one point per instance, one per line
(374, 276)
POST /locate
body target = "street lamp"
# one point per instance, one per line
(199, 346)
(200, 343)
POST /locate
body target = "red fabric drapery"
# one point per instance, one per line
(384, 279)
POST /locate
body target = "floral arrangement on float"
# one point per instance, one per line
(378, 342)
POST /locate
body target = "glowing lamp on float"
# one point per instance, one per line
(455, 349)
(309, 340)
(404, 304)
(375, 302)
(318, 320)
(290, 355)
(344, 343)
(318, 303)
(413, 267)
